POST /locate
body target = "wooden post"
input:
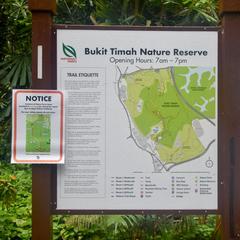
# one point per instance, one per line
(42, 78)
(229, 95)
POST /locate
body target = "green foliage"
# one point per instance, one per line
(127, 227)
(192, 12)
(5, 123)
(79, 227)
(7, 192)
(18, 25)
(7, 189)
(74, 11)
(15, 207)
(155, 12)
(138, 12)
(15, 62)
(15, 218)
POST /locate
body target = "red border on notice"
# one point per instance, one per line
(15, 127)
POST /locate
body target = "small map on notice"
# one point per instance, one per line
(170, 112)
(38, 132)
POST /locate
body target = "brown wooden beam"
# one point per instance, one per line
(42, 14)
(229, 95)
(42, 5)
(41, 202)
(226, 6)
(42, 35)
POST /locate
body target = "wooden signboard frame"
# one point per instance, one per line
(44, 176)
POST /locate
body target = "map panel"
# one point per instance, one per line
(38, 133)
(164, 108)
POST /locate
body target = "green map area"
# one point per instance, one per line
(162, 105)
(38, 132)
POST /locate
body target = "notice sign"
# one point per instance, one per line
(37, 135)
(141, 121)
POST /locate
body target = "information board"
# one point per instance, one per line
(37, 126)
(141, 119)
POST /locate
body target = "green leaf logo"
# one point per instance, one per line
(69, 51)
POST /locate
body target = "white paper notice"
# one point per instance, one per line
(141, 119)
(37, 126)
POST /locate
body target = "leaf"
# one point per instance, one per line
(23, 76)
(3, 63)
(3, 72)
(16, 74)
(19, 222)
(9, 75)
(8, 111)
(6, 66)
(208, 17)
(69, 51)
(29, 74)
